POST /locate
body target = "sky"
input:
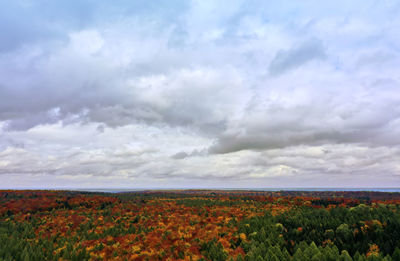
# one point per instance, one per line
(199, 94)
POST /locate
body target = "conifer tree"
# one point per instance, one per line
(344, 256)
(396, 254)
(298, 255)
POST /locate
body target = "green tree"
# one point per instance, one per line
(345, 256)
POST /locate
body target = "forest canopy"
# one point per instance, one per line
(199, 225)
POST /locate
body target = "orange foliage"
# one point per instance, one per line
(158, 228)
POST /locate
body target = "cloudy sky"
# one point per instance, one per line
(164, 94)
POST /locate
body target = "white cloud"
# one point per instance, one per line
(242, 93)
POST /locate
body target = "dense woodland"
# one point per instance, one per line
(199, 225)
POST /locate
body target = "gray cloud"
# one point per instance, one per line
(286, 60)
(180, 155)
(142, 93)
(369, 116)
(194, 153)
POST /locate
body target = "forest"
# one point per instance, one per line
(199, 225)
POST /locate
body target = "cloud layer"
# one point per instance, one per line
(199, 94)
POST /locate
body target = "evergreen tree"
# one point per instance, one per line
(298, 255)
(259, 258)
(396, 254)
(285, 254)
(345, 256)
(311, 250)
